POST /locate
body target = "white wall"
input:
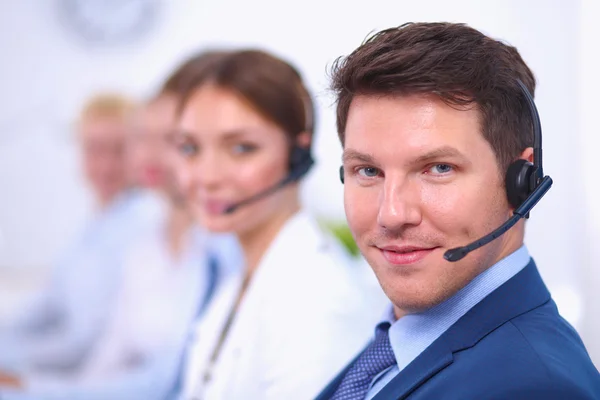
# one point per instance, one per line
(46, 73)
(587, 151)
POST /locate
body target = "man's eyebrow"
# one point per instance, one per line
(351, 155)
(444, 151)
(354, 155)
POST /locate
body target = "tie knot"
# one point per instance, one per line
(382, 329)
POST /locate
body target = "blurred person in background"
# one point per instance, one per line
(170, 273)
(286, 325)
(56, 330)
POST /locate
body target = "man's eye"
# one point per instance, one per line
(369, 172)
(440, 169)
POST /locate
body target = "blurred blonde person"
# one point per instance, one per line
(54, 333)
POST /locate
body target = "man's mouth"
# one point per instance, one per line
(405, 254)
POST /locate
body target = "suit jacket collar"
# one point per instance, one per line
(520, 294)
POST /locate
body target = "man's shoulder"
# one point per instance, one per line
(534, 354)
(551, 341)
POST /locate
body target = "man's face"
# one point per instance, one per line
(421, 179)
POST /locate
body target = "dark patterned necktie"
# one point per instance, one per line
(377, 357)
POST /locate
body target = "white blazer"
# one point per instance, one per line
(308, 310)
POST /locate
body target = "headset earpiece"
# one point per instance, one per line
(301, 161)
(519, 182)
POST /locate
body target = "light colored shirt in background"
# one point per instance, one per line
(57, 329)
(306, 312)
(138, 356)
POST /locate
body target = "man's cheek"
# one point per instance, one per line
(359, 215)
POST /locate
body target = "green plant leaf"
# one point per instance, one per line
(340, 230)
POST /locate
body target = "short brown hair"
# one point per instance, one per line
(272, 86)
(453, 61)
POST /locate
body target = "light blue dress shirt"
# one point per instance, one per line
(413, 333)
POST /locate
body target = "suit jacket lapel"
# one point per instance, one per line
(433, 359)
(522, 293)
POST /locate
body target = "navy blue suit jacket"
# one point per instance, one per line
(512, 345)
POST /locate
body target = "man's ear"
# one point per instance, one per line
(527, 154)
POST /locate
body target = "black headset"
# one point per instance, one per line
(523, 177)
(301, 161)
(525, 185)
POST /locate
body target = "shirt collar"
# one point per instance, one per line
(413, 333)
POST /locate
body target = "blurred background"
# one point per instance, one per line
(57, 53)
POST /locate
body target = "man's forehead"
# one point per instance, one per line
(414, 128)
(415, 111)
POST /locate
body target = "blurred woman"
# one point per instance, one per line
(288, 324)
